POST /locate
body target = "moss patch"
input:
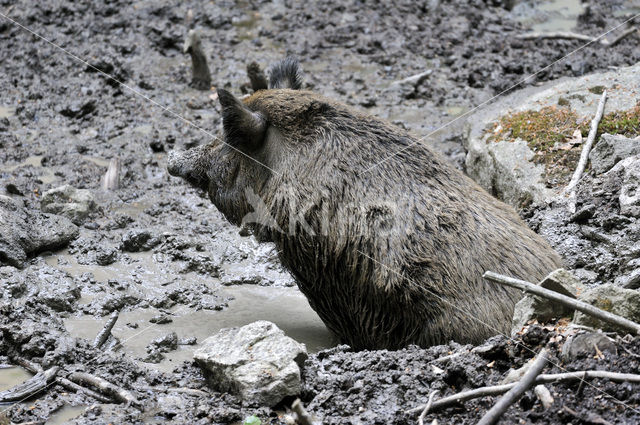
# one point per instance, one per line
(548, 133)
(626, 123)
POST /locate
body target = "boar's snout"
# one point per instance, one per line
(188, 165)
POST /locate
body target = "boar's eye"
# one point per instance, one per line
(243, 128)
(286, 74)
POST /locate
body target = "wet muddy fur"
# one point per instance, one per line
(386, 239)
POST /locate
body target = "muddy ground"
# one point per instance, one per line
(156, 249)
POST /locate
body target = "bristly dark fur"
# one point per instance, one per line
(389, 255)
(286, 74)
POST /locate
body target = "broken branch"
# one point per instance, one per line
(30, 387)
(102, 337)
(541, 379)
(568, 35)
(565, 35)
(563, 299)
(106, 387)
(514, 394)
(586, 148)
(64, 382)
(427, 407)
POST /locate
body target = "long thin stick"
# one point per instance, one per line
(563, 299)
(567, 35)
(514, 394)
(541, 379)
(560, 34)
(427, 407)
(586, 148)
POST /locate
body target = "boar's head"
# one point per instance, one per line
(273, 141)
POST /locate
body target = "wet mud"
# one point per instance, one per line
(158, 251)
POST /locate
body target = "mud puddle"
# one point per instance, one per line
(12, 376)
(284, 306)
(65, 414)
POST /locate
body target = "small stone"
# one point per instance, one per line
(188, 341)
(629, 197)
(138, 240)
(583, 345)
(67, 201)
(532, 307)
(164, 344)
(257, 362)
(79, 108)
(161, 319)
(562, 282)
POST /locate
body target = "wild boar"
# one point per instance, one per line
(386, 239)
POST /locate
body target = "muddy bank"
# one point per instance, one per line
(156, 249)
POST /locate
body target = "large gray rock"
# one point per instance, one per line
(610, 150)
(532, 307)
(67, 201)
(257, 362)
(24, 232)
(616, 300)
(505, 167)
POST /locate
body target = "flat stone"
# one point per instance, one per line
(532, 307)
(621, 301)
(257, 362)
(67, 201)
(610, 150)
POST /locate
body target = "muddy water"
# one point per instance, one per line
(65, 414)
(284, 306)
(549, 15)
(11, 376)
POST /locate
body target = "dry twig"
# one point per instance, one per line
(586, 148)
(514, 394)
(563, 299)
(427, 407)
(541, 379)
(568, 35)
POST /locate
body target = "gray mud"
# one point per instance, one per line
(156, 249)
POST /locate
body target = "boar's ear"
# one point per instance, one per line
(243, 128)
(286, 74)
